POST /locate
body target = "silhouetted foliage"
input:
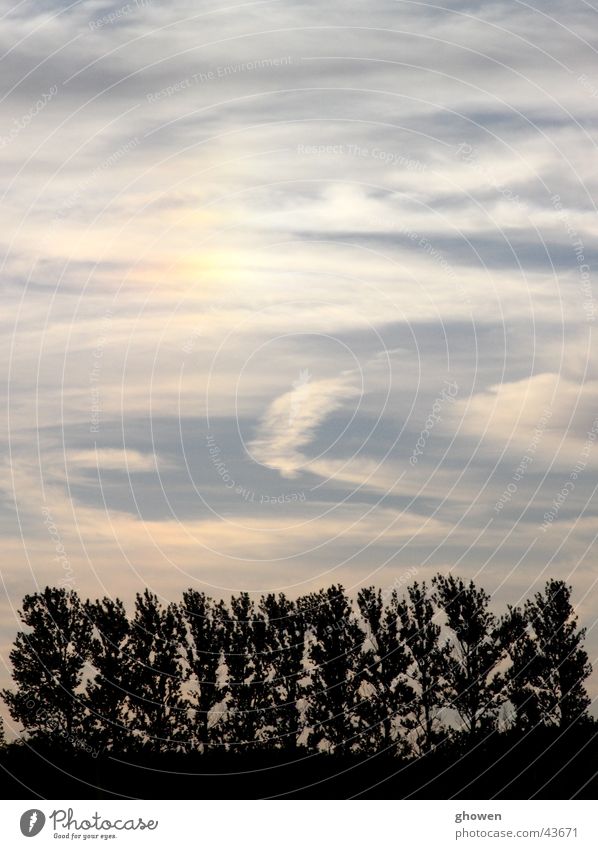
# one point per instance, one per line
(335, 666)
(109, 721)
(48, 666)
(428, 668)
(248, 721)
(424, 674)
(386, 695)
(562, 664)
(285, 638)
(205, 621)
(473, 684)
(155, 646)
(522, 678)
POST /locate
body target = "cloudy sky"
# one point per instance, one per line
(296, 293)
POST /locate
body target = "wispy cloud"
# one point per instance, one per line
(291, 421)
(112, 459)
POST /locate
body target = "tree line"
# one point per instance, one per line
(406, 674)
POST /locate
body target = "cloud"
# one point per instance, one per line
(547, 416)
(128, 461)
(291, 420)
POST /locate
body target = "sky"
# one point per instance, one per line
(298, 293)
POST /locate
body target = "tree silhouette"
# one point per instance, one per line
(386, 695)
(335, 675)
(428, 668)
(248, 721)
(155, 648)
(473, 684)
(48, 666)
(285, 640)
(562, 664)
(108, 723)
(206, 622)
(522, 675)
(396, 674)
